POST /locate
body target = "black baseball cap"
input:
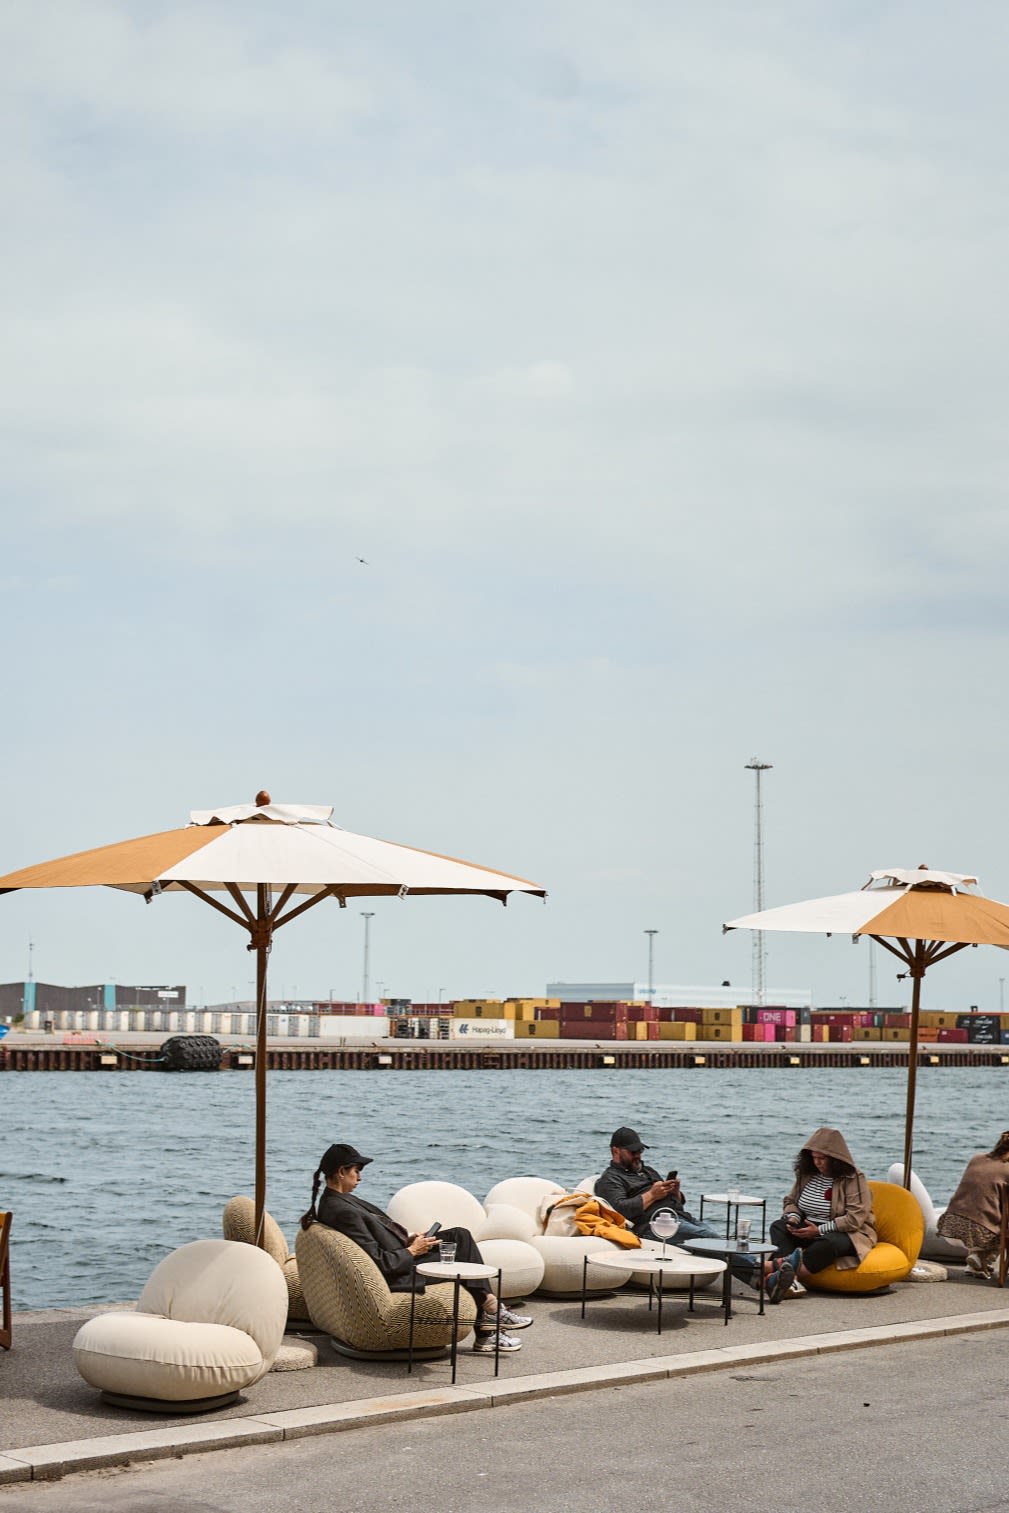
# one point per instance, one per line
(342, 1155)
(627, 1139)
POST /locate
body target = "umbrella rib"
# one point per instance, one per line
(215, 903)
(243, 903)
(934, 954)
(905, 955)
(331, 892)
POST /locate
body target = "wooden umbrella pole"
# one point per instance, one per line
(261, 940)
(917, 972)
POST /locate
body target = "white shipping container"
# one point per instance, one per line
(354, 1026)
(481, 1029)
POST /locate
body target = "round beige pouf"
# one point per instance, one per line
(927, 1271)
(296, 1355)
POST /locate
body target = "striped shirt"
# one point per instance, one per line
(814, 1202)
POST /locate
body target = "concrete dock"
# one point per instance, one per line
(54, 1425)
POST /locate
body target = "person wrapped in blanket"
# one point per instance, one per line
(973, 1213)
(827, 1217)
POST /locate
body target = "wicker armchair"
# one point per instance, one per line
(349, 1299)
(239, 1223)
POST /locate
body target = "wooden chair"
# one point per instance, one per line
(5, 1280)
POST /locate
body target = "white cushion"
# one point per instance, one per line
(505, 1222)
(419, 1204)
(221, 1282)
(520, 1262)
(526, 1193)
(143, 1355)
(562, 1264)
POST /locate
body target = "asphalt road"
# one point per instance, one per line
(917, 1426)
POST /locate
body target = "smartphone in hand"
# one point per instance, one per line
(434, 1229)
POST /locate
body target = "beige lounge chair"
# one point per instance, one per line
(349, 1299)
(209, 1322)
(239, 1223)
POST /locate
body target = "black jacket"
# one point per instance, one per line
(622, 1190)
(381, 1237)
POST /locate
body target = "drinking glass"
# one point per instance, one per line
(446, 1252)
(664, 1224)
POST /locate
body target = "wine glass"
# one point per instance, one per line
(664, 1224)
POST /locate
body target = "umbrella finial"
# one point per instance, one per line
(262, 799)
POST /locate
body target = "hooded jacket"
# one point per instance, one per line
(850, 1197)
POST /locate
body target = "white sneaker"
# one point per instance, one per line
(506, 1319)
(977, 1268)
(796, 1290)
(484, 1342)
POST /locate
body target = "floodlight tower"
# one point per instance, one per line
(367, 916)
(651, 962)
(756, 766)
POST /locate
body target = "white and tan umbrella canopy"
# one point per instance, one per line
(919, 915)
(273, 852)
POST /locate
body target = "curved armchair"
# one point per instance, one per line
(349, 1299)
(900, 1228)
(239, 1223)
(503, 1232)
(209, 1322)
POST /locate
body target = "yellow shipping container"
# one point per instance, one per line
(861, 1032)
(481, 1008)
(677, 1029)
(538, 1029)
(721, 1031)
(935, 1019)
(895, 1034)
(722, 1016)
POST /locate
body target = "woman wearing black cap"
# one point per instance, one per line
(394, 1251)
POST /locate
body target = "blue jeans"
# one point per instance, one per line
(690, 1229)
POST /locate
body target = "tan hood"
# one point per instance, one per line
(830, 1142)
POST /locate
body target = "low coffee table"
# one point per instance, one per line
(650, 1264)
(728, 1249)
(456, 1272)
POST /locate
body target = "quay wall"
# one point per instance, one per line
(27, 1055)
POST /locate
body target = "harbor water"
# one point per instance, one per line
(106, 1174)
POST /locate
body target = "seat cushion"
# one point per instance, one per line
(526, 1193)
(143, 1355)
(521, 1265)
(419, 1204)
(562, 1265)
(884, 1265)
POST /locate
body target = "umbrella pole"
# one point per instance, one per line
(917, 972)
(261, 940)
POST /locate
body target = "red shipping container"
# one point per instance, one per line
(593, 1029)
(839, 1019)
(638, 1011)
(841, 1032)
(685, 1016)
(896, 1021)
(958, 1037)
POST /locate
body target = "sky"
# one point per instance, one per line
(653, 357)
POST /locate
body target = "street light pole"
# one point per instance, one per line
(651, 963)
(367, 917)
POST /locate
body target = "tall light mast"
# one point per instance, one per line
(759, 958)
(651, 963)
(367, 916)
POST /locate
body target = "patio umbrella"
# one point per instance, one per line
(919, 915)
(262, 856)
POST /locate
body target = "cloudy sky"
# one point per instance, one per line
(654, 357)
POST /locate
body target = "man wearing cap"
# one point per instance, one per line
(634, 1189)
(395, 1251)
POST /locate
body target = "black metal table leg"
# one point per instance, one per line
(413, 1309)
(455, 1324)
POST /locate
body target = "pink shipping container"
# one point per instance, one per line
(758, 1032)
(775, 1016)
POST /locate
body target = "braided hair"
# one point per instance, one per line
(310, 1216)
